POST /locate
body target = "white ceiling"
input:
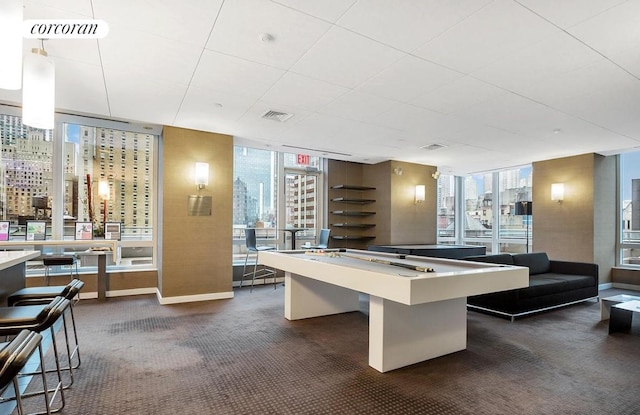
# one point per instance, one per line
(499, 83)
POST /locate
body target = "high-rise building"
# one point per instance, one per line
(125, 161)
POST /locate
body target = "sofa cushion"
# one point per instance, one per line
(549, 283)
(504, 259)
(537, 262)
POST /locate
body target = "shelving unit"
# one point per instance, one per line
(354, 232)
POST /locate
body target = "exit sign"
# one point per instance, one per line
(304, 159)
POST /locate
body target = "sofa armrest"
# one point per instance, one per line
(575, 268)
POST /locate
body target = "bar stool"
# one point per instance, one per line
(58, 260)
(14, 355)
(40, 318)
(252, 246)
(44, 295)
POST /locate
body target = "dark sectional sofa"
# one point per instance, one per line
(551, 284)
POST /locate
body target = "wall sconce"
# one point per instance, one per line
(38, 90)
(202, 175)
(11, 15)
(557, 192)
(420, 193)
(397, 171)
(435, 175)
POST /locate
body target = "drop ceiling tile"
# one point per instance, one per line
(601, 93)
(498, 29)
(318, 130)
(154, 100)
(189, 22)
(408, 78)
(210, 110)
(569, 12)
(516, 114)
(148, 54)
(329, 10)
(613, 31)
(455, 96)
(241, 22)
(345, 58)
(407, 24)
(234, 75)
(301, 92)
(629, 60)
(48, 9)
(357, 106)
(523, 70)
(80, 87)
(412, 119)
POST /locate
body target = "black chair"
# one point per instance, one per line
(323, 240)
(40, 318)
(252, 246)
(14, 356)
(44, 295)
(58, 260)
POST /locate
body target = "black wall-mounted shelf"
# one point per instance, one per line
(353, 225)
(352, 213)
(352, 187)
(356, 232)
(352, 237)
(353, 200)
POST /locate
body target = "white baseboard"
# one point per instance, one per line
(605, 286)
(193, 298)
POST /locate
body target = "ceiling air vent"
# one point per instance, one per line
(276, 116)
(433, 146)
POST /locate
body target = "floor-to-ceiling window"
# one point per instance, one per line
(630, 209)
(446, 209)
(55, 177)
(515, 214)
(491, 209)
(274, 191)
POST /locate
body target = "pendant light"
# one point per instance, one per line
(38, 90)
(11, 13)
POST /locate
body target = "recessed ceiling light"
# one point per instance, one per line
(557, 131)
(265, 37)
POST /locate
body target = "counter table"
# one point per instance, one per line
(13, 267)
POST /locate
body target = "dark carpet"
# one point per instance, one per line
(241, 356)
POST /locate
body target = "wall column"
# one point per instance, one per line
(583, 226)
(195, 251)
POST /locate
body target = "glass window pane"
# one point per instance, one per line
(478, 222)
(446, 208)
(26, 175)
(515, 209)
(630, 207)
(254, 197)
(112, 180)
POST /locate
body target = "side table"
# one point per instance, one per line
(622, 315)
(606, 303)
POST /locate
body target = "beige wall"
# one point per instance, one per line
(195, 250)
(398, 219)
(582, 227)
